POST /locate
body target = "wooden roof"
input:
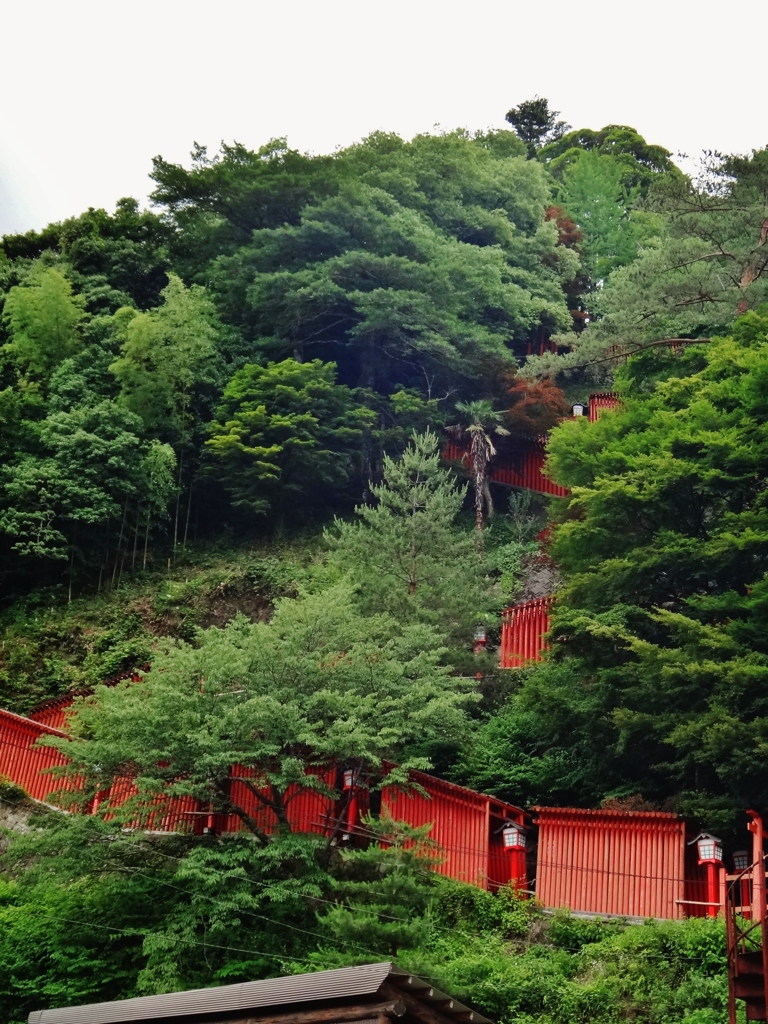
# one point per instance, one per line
(372, 993)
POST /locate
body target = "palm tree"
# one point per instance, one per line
(480, 421)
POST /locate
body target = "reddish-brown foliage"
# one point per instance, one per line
(534, 406)
(567, 232)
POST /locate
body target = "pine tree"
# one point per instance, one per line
(407, 552)
(383, 895)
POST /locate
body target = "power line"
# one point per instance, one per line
(439, 928)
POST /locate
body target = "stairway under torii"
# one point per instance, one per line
(521, 464)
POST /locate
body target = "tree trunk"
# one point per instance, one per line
(178, 500)
(146, 539)
(120, 540)
(136, 536)
(186, 524)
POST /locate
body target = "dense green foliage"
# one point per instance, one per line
(220, 434)
(286, 434)
(352, 298)
(703, 261)
(656, 683)
(98, 914)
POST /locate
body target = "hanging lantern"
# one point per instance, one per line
(350, 778)
(740, 860)
(513, 837)
(710, 848)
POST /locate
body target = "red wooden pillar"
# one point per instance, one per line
(755, 826)
(513, 835)
(350, 787)
(713, 889)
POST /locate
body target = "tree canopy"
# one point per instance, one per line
(656, 683)
(319, 685)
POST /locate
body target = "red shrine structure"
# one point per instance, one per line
(632, 864)
(521, 464)
(626, 863)
(480, 839)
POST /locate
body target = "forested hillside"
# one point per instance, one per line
(221, 426)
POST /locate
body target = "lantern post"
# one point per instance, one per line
(578, 409)
(710, 851)
(513, 836)
(480, 639)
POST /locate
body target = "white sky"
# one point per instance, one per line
(92, 89)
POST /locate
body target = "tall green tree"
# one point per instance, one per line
(87, 467)
(595, 196)
(641, 162)
(169, 367)
(317, 687)
(43, 318)
(407, 551)
(536, 124)
(167, 354)
(287, 437)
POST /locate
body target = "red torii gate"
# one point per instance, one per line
(468, 827)
(523, 628)
(520, 463)
(600, 402)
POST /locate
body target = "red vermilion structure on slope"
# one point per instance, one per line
(466, 825)
(23, 762)
(523, 628)
(519, 463)
(600, 402)
(628, 863)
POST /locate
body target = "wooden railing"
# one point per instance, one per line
(746, 921)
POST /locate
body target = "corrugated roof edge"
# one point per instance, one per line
(416, 985)
(341, 983)
(455, 787)
(30, 721)
(606, 812)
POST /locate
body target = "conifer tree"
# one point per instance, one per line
(407, 552)
(383, 893)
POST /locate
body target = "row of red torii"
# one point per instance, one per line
(635, 864)
(521, 464)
